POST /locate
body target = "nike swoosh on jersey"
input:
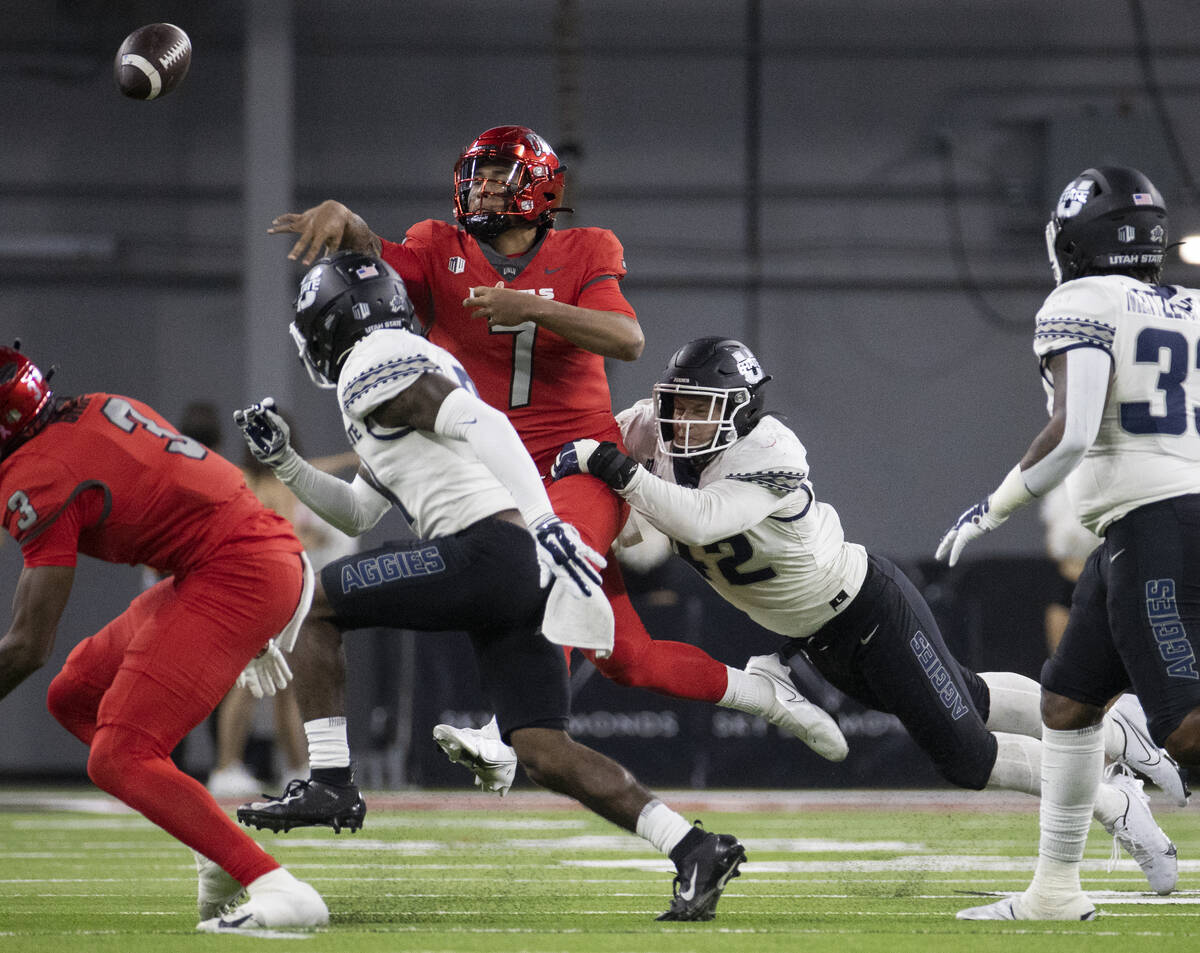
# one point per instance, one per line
(1113, 557)
(551, 271)
(870, 635)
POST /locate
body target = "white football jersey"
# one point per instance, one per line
(437, 482)
(1148, 447)
(753, 526)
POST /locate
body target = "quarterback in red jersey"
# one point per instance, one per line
(106, 476)
(531, 312)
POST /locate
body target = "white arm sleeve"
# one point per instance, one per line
(352, 508)
(463, 416)
(699, 517)
(1088, 371)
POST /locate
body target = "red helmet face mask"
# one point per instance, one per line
(507, 177)
(24, 395)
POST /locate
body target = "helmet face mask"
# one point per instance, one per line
(708, 397)
(24, 395)
(696, 421)
(342, 299)
(513, 161)
(1109, 220)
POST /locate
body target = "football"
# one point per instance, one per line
(152, 61)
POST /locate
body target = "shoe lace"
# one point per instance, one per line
(232, 903)
(294, 787)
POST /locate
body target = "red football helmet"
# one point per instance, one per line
(523, 166)
(24, 395)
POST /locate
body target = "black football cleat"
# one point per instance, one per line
(307, 803)
(702, 876)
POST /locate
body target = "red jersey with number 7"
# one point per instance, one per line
(110, 478)
(552, 390)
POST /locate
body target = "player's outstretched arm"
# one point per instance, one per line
(324, 229)
(41, 596)
(352, 508)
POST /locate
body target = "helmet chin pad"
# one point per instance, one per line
(487, 226)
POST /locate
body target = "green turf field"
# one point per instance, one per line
(461, 871)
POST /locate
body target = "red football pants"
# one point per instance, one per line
(135, 688)
(669, 668)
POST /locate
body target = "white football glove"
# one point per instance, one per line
(267, 673)
(265, 432)
(976, 521)
(562, 554)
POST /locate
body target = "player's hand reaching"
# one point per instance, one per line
(502, 307)
(265, 432)
(603, 460)
(564, 556)
(324, 229)
(976, 521)
(267, 673)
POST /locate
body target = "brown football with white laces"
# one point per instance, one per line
(152, 61)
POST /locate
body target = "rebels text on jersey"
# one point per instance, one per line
(438, 483)
(752, 526)
(1148, 446)
(110, 478)
(551, 390)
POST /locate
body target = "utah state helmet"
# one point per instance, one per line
(343, 298)
(1109, 219)
(532, 177)
(24, 395)
(725, 372)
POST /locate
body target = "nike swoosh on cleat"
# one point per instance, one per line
(690, 892)
(234, 924)
(787, 687)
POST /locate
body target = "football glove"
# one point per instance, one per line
(265, 432)
(603, 460)
(976, 521)
(563, 555)
(267, 673)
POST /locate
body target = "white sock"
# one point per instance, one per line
(746, 692)
(661, 826)
(277, 879)
(328, 746)
(1071, 765)
(1016, 704)
(1018, 764)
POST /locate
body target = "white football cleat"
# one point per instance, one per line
(493, 762)
(282, 901)
(1140, 836)
(795, 714)
(1018, 907)
(216, 888)
(1141, 754)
